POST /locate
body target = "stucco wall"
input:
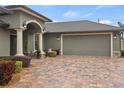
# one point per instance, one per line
(26, 17)
(4, 43)
(50, 41)
(13, 19)
(116, 44)
(17, 19)
(122, 44)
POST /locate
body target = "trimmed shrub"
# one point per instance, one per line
(58, 51)
(18, 66)
(25, 60)
(6, 58)
(122, 53)
(52, 54)
(7, 69)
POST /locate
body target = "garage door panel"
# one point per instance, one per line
(91, 45)
(86, 53)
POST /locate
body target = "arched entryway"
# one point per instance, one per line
(29, 38)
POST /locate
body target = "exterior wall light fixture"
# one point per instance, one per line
(58, 38)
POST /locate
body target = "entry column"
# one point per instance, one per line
(19, 42)
(41, 43)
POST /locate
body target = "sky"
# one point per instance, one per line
(107, 14)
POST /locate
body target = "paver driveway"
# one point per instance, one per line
(73, 71)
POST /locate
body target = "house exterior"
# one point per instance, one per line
(22, 29)
(24, 25)
(83, 38)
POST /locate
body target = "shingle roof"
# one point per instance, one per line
(29, 9)
(79, 26)
(4, 11)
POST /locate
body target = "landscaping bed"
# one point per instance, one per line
(11, 66)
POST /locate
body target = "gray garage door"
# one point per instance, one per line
(87, 45)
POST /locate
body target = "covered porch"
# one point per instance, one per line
(26, 40)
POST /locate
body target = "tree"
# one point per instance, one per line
(122, 26)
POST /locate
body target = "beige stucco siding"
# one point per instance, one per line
(4, 43)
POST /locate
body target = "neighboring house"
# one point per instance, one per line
(24, 29)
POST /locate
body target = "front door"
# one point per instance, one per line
(13, 44)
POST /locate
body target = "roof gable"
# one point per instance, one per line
(29, 11)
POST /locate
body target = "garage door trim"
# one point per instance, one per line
(107, 33)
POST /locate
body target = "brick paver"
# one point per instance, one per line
(73, 72)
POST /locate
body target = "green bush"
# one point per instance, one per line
(122, 53)
(25, 60)
(58, 51)
(18, 66)
(52, 54)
